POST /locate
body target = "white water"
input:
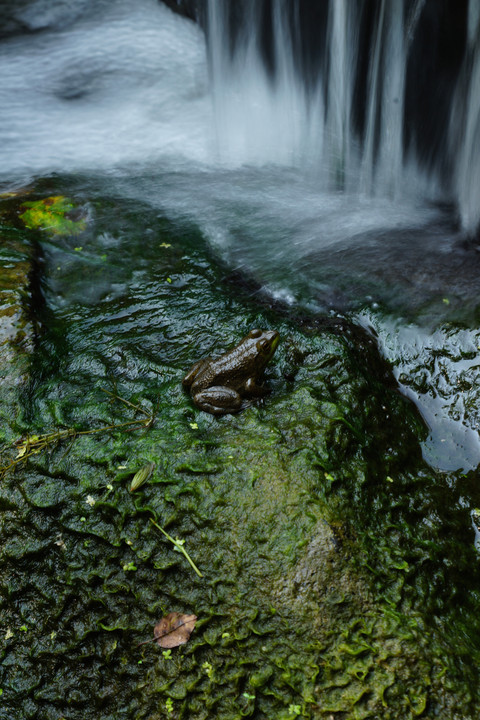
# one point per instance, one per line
(466, 127)
(125, 83)
(274, 175)
(262, 120)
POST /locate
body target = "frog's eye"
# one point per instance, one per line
(263, 345)
(255, 333)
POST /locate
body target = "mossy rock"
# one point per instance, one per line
(55, 215)
(271, 504)
(16, 326)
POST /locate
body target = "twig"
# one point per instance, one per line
(126, 402)
(36, 443)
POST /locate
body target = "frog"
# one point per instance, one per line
(229, 383)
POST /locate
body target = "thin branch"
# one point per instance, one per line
(36, 443)
(127, 402)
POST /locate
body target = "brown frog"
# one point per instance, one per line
(224, 385)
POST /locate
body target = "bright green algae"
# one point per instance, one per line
(279, 507)
(56, 215)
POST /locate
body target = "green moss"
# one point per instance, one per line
(282, 507)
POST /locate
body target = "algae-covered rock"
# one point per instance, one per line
(56, 215)
(272, 505)
(16, 328)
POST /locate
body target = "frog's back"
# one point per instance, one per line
(230, 370)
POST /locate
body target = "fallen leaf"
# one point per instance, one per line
(174, 629)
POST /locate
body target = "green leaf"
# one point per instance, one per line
(141, 476)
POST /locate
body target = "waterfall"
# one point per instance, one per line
(466, 127)
(259, 119)
(385, 107)
(339, 96)
(345, 101)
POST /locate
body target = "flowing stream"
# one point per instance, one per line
(298, 169)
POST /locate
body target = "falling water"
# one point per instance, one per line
(257, 121)
(264, 116)
(466, 127)
(348, 125)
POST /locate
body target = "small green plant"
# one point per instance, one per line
(208, 668)
(178, 546)
(56, 215)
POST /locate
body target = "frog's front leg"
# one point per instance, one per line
(254, 390)
(218, 400)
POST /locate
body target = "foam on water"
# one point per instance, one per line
(125, 83)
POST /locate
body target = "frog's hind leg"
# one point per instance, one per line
(218, 400)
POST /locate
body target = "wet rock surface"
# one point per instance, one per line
(193, 9)
(17, 263)
(299, 511)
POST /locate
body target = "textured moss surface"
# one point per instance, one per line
(295, 510)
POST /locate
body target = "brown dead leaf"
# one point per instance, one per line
(174, 629)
